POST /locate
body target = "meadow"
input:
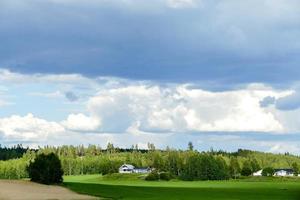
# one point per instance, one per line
(133, 187)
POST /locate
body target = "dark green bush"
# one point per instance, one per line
(46, 169)
(166, 176)
(153, 176)
(268, 171)
(246, 171)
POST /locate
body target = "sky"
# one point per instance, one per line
(222, 74)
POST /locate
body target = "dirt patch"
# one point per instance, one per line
(26, 190)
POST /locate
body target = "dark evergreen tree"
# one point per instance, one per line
(190, 146)
(46, 169)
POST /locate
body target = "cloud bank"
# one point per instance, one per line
(116, 108)
(228, 42)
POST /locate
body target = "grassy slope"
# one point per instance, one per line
(132, 188)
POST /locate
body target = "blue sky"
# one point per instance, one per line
(224, 74)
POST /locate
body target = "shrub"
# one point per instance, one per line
(246, 171)
(165, 176)
(268, 171)
(153, 176)
(46, 169)
(295, 168)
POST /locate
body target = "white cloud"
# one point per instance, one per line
(28, 128)
(81, 123)
(140, 110)
(281, 147)
(7, 76)
(181, 109)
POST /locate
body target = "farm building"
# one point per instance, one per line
(258, 173)
(284, 172)
(142, 170)
(127, 168)
(277, 172)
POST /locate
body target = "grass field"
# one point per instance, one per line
(132, 187)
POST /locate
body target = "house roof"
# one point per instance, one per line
(127, 166)
(284, 169)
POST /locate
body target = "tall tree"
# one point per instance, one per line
(190, 146)
(295, 168)
(246, 169)
(234, 167)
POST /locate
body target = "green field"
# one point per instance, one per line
(132, 187)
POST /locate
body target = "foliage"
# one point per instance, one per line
(268, 171)
(234, 167)
(254, 165)
(295, 168)
(247, 169)
(182, 164)
(46, 169)
(153, 176)
(166, 176)
(13, 169)
(204, 167)
(7, 153)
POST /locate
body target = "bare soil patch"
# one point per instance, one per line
(26, 190)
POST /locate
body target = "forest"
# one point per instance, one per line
(188, 164)
(7, 153)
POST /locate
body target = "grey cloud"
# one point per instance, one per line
(227, 41)
(290, 102)
(267, 101)
(71, 96)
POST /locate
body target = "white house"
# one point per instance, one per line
(126, 168)
(277, 172)
(258, 173)
(142, 170)
(284, 172)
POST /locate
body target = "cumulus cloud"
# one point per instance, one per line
(180, 109)
(28, 128)
(120, 104)
(126, 112)
(81, 123)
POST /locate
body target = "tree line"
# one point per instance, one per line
(7, 153)
(186, 164)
